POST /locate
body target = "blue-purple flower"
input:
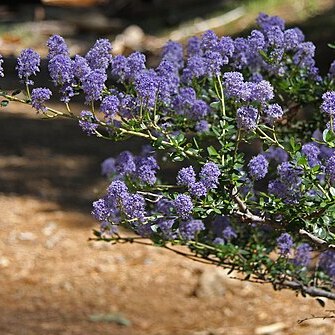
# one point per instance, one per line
(93, 85)
(186, 176)
(284, 243)
(87, 122)
(61, 69)
(209, 175)
(99, 56)
(302, 255)
(183, 206)
(273, 112)
(134, 206)
(258, 167)
(146, 86)
(328, 104)
(247, 118)
(173, 52)
(28, 63)
(189, 229)
(57, 46)
(110, 105)
(330, 167)
(38, 98)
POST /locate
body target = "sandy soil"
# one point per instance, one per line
(54, 281)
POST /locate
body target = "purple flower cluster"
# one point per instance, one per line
(143, 167)
(119, 201)
(277, 154)
(99, 56)
(209, 179)
(28, 63)
(258, 167)
(173, 52)
(202, 126)
(259, 91)
(273, 112)
(126, 69)
(331, 73)
(61, 70)
(247, 118)
(93, 84)
(207, 56)
(57, 46)
(287, 185)
(87, 122)
(108, 167)
(222, 230)
(80, 67)
(278, 44)
(168, 81)
(186, 176)
(328, 104)
(330, 167)
(284, 243)
(110, 106)
(146, 168)
(183, 206)
(266, 22)
(209, 175)
(186, 103)
(38, 98)
(327, 263)
(146, 86)
(125, 163)
(134, 206)
(302, 255)
(312, 152)
(189, 229)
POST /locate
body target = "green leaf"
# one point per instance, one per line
(217, 211)
(295, 146)
(4, 103)
(180, 138)
(177, 158)
(212, 151)
(215, 105)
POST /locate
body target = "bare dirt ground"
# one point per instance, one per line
(53, 281)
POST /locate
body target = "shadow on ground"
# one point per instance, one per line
(53, 160)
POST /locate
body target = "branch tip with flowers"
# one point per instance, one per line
(206, 108)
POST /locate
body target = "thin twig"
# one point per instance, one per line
(316, 240)
(312, 291)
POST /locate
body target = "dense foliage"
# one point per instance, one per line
(250, 125)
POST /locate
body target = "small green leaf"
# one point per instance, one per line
(215, 105)
(212, 151)
(4, 103)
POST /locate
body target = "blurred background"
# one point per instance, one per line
(53, 281)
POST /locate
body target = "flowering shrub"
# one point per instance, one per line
(270, 215)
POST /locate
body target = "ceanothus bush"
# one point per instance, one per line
(252, 121)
